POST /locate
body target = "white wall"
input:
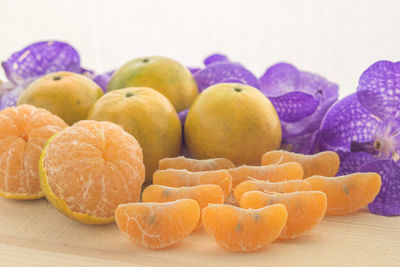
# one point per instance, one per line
(337, 39)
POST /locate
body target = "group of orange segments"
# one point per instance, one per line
(282, 199)
(93, 172)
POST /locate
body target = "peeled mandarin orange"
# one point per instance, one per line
(90, 168)
(195, 165)
(265, 186)
(158, 225)
(178, 178)
(24, 131)
(273, 173)
(233, 121)
(324, 163)
(240, 229)
(349, 193)
(305, 209)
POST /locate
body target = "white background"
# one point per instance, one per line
(337, 39)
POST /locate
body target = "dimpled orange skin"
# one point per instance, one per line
(66, 94)
(148, 116)
(24, 131)
(324, 163)
(195, 165)
(305, 209)
(243, 230)
(272, 173)
(232, 121)
(165, 75)
(178, 178)
(347, 194)
(158, 225)
(265, 186)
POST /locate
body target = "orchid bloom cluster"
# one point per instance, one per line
(36, 60)
(300, 98)
(364, 128)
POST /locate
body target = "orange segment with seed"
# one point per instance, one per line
(265, 186)
(349, 193)
(324, 163)
(179, 178)
(273, 173)
(203, 194)
(305, 209)
(158, 225)
(195, 165)
(243, 230)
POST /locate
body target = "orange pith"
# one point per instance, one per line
(324, 163)
(178, 178)
(349, 193)
(265, 186)
(158, 225)
(24, 131)
(90, 168)
(195, 165)
(239, 229)
(273, 173)
(305, 209)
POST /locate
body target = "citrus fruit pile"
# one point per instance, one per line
(90, 154)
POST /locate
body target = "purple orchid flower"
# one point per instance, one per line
(301, 100)
(35, 60)
(364, 128)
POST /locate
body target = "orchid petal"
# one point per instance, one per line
(222, 71)
(279, 79)
(103, 79)
(351, 162)
(387, 202)
(294, 106)
(215, 58)
(347, 121)
(379, 89)
(39, 59)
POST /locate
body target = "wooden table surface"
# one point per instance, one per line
(33, 233)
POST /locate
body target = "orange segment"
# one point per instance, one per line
(158, 225)
(305, 209)
(264, 186)
(203, 194)
(349, 193)
(24, 131)
(179, 178)
(240, 229)
(195, 165)
(273, 173)
(324, 163)
(90, 168)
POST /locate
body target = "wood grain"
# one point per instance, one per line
(33, 233)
